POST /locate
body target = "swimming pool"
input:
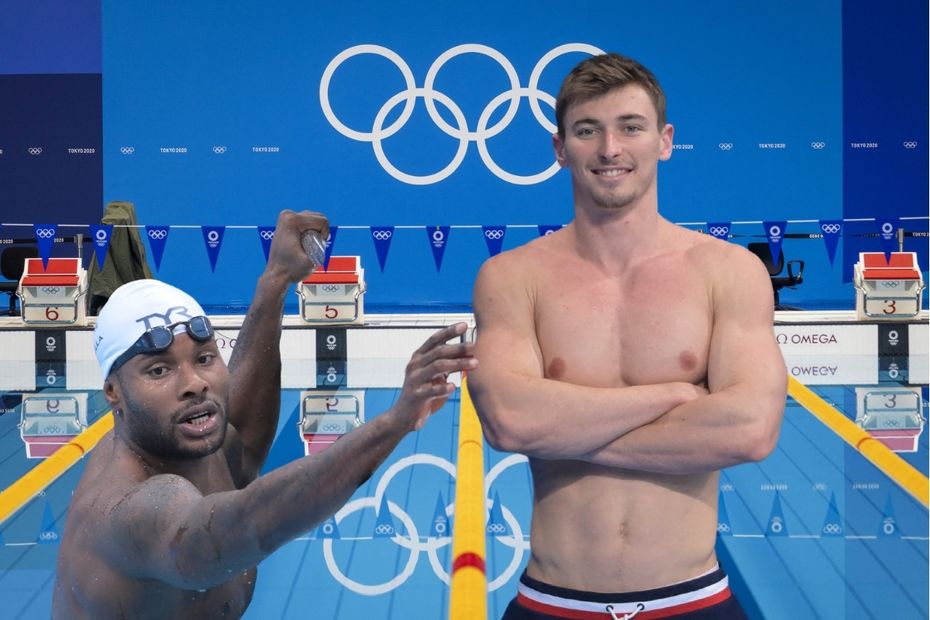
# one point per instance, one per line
(814, 531)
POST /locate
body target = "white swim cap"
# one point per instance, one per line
(134, 308)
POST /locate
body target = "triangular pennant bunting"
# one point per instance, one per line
(158, 236)
(438, 238)
(213, 239)
(382, 236)
(45, 237)
(101, 234)
(494, 238)
(775, 233)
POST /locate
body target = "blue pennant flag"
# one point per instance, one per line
(889, 525)
(330, 242)
(49, 532)
(775, 233)
(328, 529)
(382, 236)
(439, 528)
(101, 235)
(384, 524)
(832, 523)
(776, 525)
(496, 524)
(831, 230)
(45, 237)
(548, 229)
(157, 235)
(265, 235)
(724, 528)
(888, 230)
(213, 238)
(494, 237)
(438, 238)
(720, 230)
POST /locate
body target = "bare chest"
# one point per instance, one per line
(651, 326)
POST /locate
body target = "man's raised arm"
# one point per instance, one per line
(255, 365)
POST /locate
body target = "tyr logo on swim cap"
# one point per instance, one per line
(134, 308)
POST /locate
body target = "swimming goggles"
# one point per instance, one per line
(158, 339)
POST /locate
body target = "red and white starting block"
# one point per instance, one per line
(49, 421)
(888, 288)
(335, 295)
(892, 415)
(327, 415)
(53, 295)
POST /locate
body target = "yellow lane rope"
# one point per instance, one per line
(892, 465)
(49, 470)
(469, 587)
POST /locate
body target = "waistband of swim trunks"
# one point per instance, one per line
(703, 591)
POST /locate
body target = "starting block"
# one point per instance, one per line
(49, 421)
(327, 415)
(335, 295)
(53, 295)
(888, 289)
(893, 416)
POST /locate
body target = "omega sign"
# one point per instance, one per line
(827, 339)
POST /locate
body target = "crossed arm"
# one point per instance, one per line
(668, 427)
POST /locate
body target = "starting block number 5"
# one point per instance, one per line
(330, 311)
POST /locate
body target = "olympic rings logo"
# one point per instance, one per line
(34, 150)
(45, 233)
(158, 234)
(267, 235)
(494, 235)
(719, 231)
(219, 150)
(817, 146)
(430, 96)
(725, 146)
(401, 529)
(127, 150)
(50, 290)
(909, 144)
(382, 235)
(830, 229)
(723, 528)
(331, 288)
(832, 528)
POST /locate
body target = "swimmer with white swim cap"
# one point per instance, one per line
(630, 359)
(170, 517)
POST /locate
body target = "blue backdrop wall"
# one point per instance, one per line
(417, 116)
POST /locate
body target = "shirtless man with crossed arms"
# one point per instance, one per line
(630, 359)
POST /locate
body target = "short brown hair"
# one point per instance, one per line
(598, 75)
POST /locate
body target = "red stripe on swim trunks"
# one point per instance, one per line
(468, 559)
(666, 612)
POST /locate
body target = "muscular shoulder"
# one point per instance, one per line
(523, 264)
(723, 261)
